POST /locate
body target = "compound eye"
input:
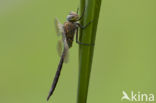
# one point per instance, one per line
(69, 17)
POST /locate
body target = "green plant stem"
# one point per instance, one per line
(87, 35)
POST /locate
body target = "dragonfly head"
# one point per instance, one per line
(72, 17)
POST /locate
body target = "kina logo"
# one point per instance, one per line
(137, 96)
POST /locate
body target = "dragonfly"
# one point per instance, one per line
(67, 31)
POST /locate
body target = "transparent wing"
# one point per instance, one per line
(66, 47)
(66, 59)
(59, 47)
(62, 43)
(59, 27)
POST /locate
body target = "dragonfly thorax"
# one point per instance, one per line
(69, 30)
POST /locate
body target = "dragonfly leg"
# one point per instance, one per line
(78, 42)
(82, 14)
(83, 27)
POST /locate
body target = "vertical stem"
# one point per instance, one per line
(92, 9)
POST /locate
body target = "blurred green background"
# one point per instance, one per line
(124, 57)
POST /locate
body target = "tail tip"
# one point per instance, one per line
(48, 98)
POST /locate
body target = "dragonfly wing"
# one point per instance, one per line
(66, 59)
(59, 27)
(60, 31)
(59, 47)
(63, 43)
(66, 47)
